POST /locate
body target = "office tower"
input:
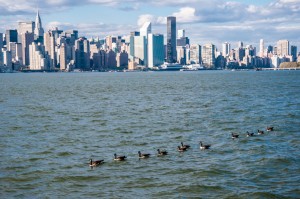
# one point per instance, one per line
(27, 39)
(99, 60)
(226, 49)
(181, 33)
(19, 52)
(208, 55)
(11, 36)
(181, 54)
(122, 59)
(82, 54)
(240, 44)
(63, 57)
(49, 43)
(283, 48)
(23, 27)
(72, 36)
(140, 49)
(240, 54)
(294, 53)
(1, 41)
(38, 30)
(146, 29)
(110, 42)
(183, 41)
(195, 54)
(11, 46)
(7, 59)
(261, 48)
(171, 39)
(131, 42)
(111, 59)
(155, 50)
(37, 54)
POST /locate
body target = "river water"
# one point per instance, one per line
(53, 123)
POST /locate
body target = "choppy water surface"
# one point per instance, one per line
(53, 123)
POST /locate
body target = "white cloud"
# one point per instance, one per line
(186, 15)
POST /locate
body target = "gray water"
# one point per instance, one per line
(53, 123)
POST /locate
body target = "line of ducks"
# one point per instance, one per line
(180, 148)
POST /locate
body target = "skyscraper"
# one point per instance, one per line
(171, 39)
(11, 36)
(38, 30)
(27, 39)
(294, 52)
(37, 54)
(195, 54)
(82, 51)
(261, 48)
(208, 55)
(225, 49)
(23, 27)
(155, 50)
(146, 29)
(283, 47)
(1, 41)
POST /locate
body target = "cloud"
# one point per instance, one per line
(186, 15)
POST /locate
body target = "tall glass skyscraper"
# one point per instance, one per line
(171, 39)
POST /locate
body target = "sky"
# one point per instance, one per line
(204, 21)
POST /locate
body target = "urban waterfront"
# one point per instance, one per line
(53, 123)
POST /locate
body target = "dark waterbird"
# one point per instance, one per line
(119, 158)
(233, 136)
(259, 132)
(270, 128)
(96, 163)
(185, 146)
(202, 146)
(181, 149)
(250, 134)
(143, 155)
(161, 153)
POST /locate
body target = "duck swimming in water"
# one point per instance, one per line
(202, 146)
(95, 163)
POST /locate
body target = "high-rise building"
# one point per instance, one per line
(27, 39)
(37, 54)
(122, 59)
(155, 50)
(11, 36)
(63, 57)
(181, 54)
(283, 48)
(1, 41)
(140, 50)
(181, 33)
(261, 48)
(49, 43)
(146, 29)
(131, 42)
(23, 27)
(226, 49)
(171, 39)
(208, 55)
(38, 30)
(82, 51)
(111, 59)
(195, 54)
(294, 53)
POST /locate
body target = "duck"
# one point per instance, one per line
(233, 136)
(143, 155)
(259, 132)
(250, 134)
(181, 149)
(161, 153)
(270, 128)
(185, 146)
(119, 158)
(202, 146)
(95, 163)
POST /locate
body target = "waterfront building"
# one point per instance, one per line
(7, 59)
(239, 54)
(111, 59)
(195, 54)
(131, 42)
(140, 50)
(294, 53)
(37, 57)
(49, 43)
(208, 55)
(11, 36)
(38, 30)
(82, 54)
(171, 39)
(155, 50)
(283, 48)
(122, 59)
(181, 54)
(261, 48)
(226, 49)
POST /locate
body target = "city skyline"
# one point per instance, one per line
(204, 21)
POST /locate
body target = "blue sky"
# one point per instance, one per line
(205, 21)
